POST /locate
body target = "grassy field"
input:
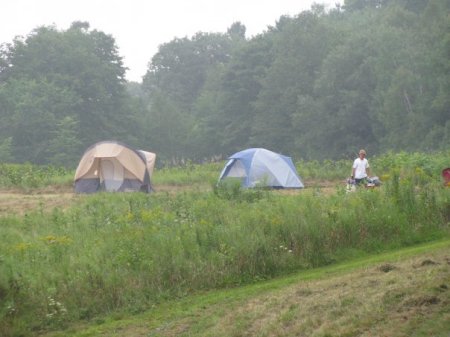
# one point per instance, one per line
(133, 264)
(402, 293)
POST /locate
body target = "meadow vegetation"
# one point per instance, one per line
(28, 176)
(126, 252)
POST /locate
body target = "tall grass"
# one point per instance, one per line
(188, 174)
(26, 176)
(125, 252)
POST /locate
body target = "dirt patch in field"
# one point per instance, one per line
(14, 201)
(18, 201)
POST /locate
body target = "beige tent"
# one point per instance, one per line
(114, 166)
(150, 159)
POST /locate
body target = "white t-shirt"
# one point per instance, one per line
(360, 166)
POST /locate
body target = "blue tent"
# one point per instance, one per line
(261, 167)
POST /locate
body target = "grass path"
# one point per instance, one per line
(400, 293)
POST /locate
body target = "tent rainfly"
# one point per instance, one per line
(261, 167)
(113, 166)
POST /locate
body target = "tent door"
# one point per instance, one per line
(237, 170)
(112, 174)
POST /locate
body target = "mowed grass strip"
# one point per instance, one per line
(401, 293)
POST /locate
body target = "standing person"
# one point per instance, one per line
(360, 168)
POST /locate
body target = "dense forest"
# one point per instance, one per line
(321, 84)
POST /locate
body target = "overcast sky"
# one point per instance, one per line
(140, 26)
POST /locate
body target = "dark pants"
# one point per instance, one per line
(360, 181)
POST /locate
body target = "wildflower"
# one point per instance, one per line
(21, 247)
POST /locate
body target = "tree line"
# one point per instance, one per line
(321, 84)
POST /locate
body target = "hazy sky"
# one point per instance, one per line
(140, 26)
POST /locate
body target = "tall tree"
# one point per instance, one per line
(301, 44)
(178, 74)
(410, 79)
(239, 89)
(55, 74)
(167, 129)
(64, 139)
(179, 69)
